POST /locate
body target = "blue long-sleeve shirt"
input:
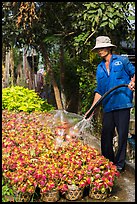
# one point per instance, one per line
(121, 72)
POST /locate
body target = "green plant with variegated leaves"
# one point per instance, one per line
(18, 98)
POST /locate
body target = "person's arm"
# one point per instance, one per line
(131, 85)
(130, 70)
(96, 98)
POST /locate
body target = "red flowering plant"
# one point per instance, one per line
(72, 164)
(31, 157)
(103, 175)
(24, 141)
(47, 173)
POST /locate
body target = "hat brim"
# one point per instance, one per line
(103, 45)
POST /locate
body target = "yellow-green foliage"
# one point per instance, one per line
(22, 99)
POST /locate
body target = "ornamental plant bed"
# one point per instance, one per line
(37, 154)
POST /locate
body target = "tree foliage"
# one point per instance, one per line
(107, 18)
(73, 25)
(73, 22)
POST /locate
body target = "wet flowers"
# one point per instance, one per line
(31, 157)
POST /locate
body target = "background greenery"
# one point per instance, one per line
(64, 34)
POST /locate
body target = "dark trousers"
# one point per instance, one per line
(118, 119)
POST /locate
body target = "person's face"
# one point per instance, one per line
(103, 52)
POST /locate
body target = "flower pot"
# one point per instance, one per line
(74, 194)
(23, 197)
(97, 195)
(50, 196)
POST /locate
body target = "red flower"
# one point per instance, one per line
(110, 183)
(88, 181)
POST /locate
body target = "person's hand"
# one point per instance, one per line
(89, 118)
(131, 85)
(85, 115)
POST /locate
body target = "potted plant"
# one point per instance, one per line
(31, 159)
(103, 174)
(48, 180)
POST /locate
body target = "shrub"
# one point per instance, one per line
(7, 191)
(22, 99)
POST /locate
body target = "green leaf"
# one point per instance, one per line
(104, 24)
(92, 11)
(96, 18)
(110, 15)
(93, 24)
(111, 25)
(11, 191)
(102, 6)
(115, 22)
(111, 21)
(32, 152)
(92, 5)
(99, 12)
(105, 17)
(103, 190)
(131, 18)
(111, 10)
(4, 188)
(87, 5)
(119, 14)
(85, 15)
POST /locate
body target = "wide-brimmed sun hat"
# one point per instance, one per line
(102, 42)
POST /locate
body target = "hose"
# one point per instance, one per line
(100, 100)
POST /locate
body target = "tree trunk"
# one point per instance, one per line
(73, 100)
(7, 67)
(32, 76)
(3, 75)
(51, 74)
(12, 66)
(69, 86)
(25, 68)
(19, 74)
(62, 77)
